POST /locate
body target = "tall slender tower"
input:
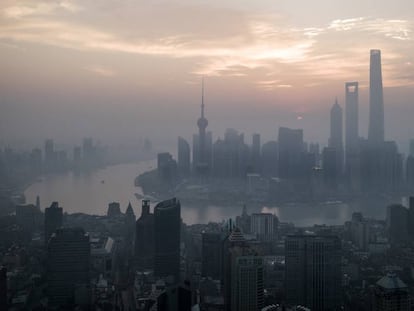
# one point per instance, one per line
(376, 100)
(335, 139)
(202, 123)
(351, 113)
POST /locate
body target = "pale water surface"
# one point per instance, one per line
(91, 192)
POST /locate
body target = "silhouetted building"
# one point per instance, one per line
(211, 255)
(330, 167)
(167, 224)
(175, 298)
(130, 225)
(3, 289)
(313, 274)
(50, 155)
(270, 159)
(28, 217)
(230, 156)
(202, 165)
(391, 294)
(291, 148)
(397, 223)
(114, 210)
(409, 170)
(376, 101)
(167, 168)
(53, 219)
(144, 238)
(68, 265)
(352, 161)
(243, 222)
(411, 217)
(256, 154)
(335, 139)
(381, 167)
(184, 163)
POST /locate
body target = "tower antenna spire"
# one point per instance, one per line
(202, 97)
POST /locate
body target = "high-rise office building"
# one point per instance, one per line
(264, 226)
(166, 167)
(351, 117)
(3, 289)
(313, 277)
(391, 294)
(247, 283)
(53, 219)
(68, 265)
(183, 157)
(144, 238)
(130, 226)
(291, 148)
(255, 154)
(335, 139)
(114, 210)
(330, 167)
(411, 146)
(211, 254)
(167, 225)
(376, 100)
(270, 159)
(352, 159)
(409, 170)
(397, 223)
(242, 274)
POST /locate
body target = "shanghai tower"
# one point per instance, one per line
(376, 101)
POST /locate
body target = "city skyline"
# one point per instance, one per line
(271, 65)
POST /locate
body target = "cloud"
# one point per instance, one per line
(38, 8)
(101, 70)
(249, 45)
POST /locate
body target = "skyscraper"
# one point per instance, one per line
(376, 100)
(335, 139)
(242, 274)
(167, 225)
(211, 252)
(247, 283)
(291, 148)
(397, 223)
(183, 157)
(351, 117)
(391, 293)
(264, 226)
(202, 165)
(352, 160)
(255, 154)
(68, 264)
(53, 220)
(313, 276)
(144, 238)
(3, 289)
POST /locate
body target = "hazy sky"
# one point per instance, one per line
(119, 70)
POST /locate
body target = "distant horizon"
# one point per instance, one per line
(118, 71)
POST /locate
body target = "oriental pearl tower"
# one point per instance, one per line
(202, 123)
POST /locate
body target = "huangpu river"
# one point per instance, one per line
(91, 192)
